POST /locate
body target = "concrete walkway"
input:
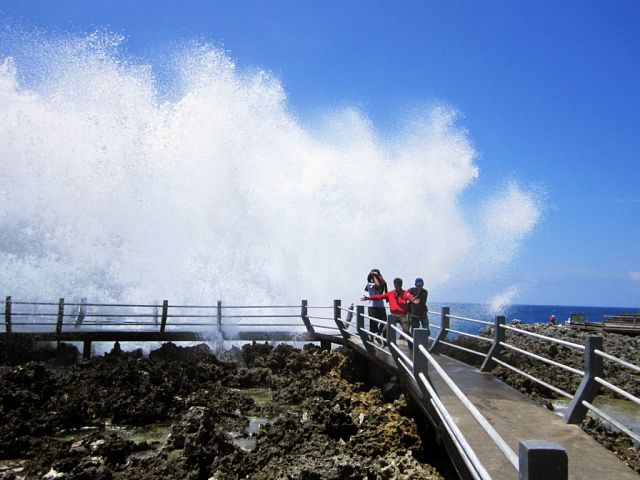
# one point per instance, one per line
(515, 417)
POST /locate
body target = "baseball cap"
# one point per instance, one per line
(419, 281)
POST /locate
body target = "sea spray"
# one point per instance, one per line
(116, 186)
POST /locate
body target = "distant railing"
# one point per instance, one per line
(61, 316)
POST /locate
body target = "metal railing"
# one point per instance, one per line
(162, 317)
(349, 323)
(352, 327)
(591, 376)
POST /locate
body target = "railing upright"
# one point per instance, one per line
(499, 335)
(60, 316)
(541, 460)
(304, 314)
(392, 338)
(81, 313)
(337, 317)
(588, 388)
(165, 311)
(7, 314)
(444, 326)
(366, 339)
(420, 362)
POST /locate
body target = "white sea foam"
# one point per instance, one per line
(112, 192)
(503, 299)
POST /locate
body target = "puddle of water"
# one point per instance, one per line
(255, 423)
(261, 396)
(247, 439)
(155, 435)
(152, 434)
(624, 411)
(76, 433)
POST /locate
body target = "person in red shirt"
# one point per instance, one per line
(398, 303)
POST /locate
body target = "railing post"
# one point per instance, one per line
(219, 319)
(337, 314)
(541, 460)
(420, 362)
(499, 335)
(7, 314)
(588, 388)
(444, 326)
(165, 311)
(60, 316)
(391, 333)
(81, 313)
(304, 314)
(364, 336)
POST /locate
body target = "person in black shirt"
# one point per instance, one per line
(418, 314)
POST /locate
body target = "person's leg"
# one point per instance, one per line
(380, 314)
(404, 321)
(414, 322)
(424, 323)
(373, 325)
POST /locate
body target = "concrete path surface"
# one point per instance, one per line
(515, 417)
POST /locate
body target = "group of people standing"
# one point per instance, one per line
(408, 306)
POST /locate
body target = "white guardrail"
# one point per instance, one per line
(591, 377)
(21, 316)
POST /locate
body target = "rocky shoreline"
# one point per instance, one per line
(621, 346)
(65, 418)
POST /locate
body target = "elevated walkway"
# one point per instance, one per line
(514, 416)
(490, 430)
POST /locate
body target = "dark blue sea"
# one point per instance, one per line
(523, 313)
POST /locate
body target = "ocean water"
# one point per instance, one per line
(523, 313)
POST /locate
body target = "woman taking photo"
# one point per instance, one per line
(376, 286)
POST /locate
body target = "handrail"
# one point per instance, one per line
(459, 347)
(482, 421)
(617, 360)
(543, 359)
(611, 420)
(618, 390)
(408, 338)
(466, 334)
(165, 315)
(473, 320)
(466, 451)
(544, 337)
(401, 354)
(493, 356)
(531, 377)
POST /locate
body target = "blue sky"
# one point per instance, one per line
(548, 90)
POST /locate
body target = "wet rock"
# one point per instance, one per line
(323, 421)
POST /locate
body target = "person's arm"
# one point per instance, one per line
(380, 296)
(411, 298)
